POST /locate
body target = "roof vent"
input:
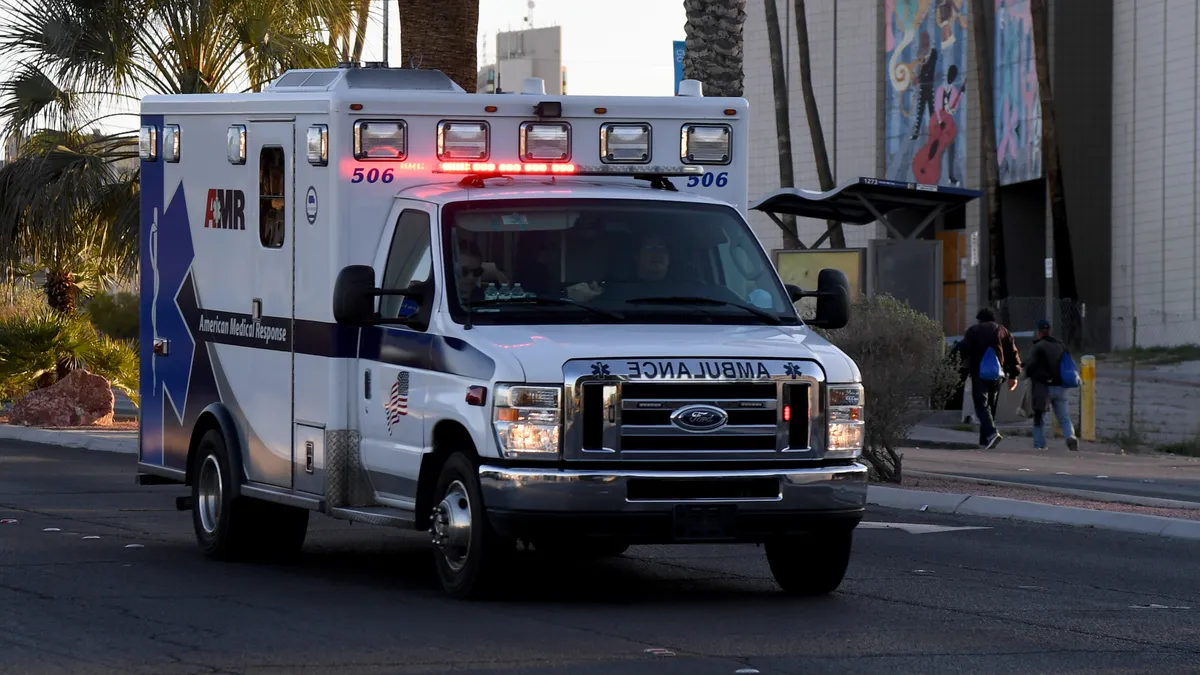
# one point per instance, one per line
(347, 64)
(533, 85)
(375, 64)
(690, 88)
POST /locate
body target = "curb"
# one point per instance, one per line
(1112, 497)
(1012, 509)
(119, 441)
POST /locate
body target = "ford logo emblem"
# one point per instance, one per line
(699, 418)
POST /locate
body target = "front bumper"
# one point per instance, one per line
(665, 506)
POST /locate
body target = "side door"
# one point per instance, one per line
(264, 399)
(394, 361)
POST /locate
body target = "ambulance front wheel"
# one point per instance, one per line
(468, 553)
(811, 565)
(232, 527)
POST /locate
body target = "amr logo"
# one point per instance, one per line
(225, 209)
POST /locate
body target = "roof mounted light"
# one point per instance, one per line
(462, 141)
(625, 143)
(380, 140)
(235, 144)
(318, 144)
(170, 143)
(518, 168)
(545, 141)
(705, 144)
(148, 143)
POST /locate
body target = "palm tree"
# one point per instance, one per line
(997, 273)
(713, 54)
(441, 34)
(837, 238)
(783, 124)
(1063, 258)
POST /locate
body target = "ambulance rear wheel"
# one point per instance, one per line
(468, 553)
(232, 527)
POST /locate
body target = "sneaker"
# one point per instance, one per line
(1073, 444)
(996, 437)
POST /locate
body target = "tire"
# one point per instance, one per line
(469, 555)
(811, 565)
(232, 527)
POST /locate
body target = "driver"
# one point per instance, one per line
(653, 258)
(472, 274)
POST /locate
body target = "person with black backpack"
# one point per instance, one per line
(1051, 372)
(989, 355)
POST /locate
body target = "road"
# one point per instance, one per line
(117, 586)
(1157, 476)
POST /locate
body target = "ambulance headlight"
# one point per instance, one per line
(846, 429)
(545, 141)
(625, 143)
(235, 144)
(380, 140)
(528, 421)
(457, 141)
(318, 145)
(705, 144)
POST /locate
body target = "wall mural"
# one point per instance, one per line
(1018, 107)
(925, 118)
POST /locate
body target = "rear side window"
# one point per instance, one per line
(271, 214)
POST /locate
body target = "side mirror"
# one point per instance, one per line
(354, 295)
(833, 299)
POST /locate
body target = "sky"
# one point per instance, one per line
(634, 57)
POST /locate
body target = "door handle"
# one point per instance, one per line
(256, 308)
(367, 384)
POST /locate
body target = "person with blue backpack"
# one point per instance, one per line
(989, 356)
(1051, 372)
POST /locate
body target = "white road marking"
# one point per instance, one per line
(1154, 606)
(916, 528)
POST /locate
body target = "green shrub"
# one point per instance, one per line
(114, 315)
(39, 347)
(902, 356)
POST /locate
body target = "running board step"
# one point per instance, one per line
(374, 515)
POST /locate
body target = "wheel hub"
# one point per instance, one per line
(450, 527)
(211, 492)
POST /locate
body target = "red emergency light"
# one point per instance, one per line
(504, 168)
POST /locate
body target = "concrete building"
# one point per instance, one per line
(1126, 75)
(534, 52)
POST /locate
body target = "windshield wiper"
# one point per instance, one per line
(697, 300)
(543, 300)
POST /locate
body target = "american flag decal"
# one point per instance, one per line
(397, 406)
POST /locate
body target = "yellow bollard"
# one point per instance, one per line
(1087, 398)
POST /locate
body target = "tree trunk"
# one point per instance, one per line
(1063, 259)
(783, 125)
(714, 54)
(837, 238)
(441, 35)
(361, 14)
(61, 293)
(997, 271)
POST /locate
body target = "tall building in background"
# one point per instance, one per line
(534, 52)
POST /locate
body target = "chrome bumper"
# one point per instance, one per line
(836, 489)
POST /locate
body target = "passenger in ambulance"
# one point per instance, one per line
(652, 262)
(472, 274)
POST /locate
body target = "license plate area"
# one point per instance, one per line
(708, 522)
(677, 489)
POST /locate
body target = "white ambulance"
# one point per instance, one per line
(512, 321)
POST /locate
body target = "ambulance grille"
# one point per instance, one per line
(636, 424)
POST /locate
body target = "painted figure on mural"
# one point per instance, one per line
(948, 96)
(928, 60)
(948, 12)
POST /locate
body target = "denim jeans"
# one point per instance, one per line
(985, 396)
(1058, 404)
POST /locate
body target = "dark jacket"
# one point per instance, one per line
(1043, 361)
(978, 338)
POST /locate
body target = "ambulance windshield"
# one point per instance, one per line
(586, 261)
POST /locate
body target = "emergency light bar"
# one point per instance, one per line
(512, 168)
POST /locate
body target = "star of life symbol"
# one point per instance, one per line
(599, 368)
(397, 405)
(215, 208)
(792, 370)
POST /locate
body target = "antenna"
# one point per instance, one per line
(529, 14)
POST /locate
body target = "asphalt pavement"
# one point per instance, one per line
(98, 575)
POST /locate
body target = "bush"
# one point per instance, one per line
(39, 347)
(114, 315)
(20, 297)
(902, 356)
